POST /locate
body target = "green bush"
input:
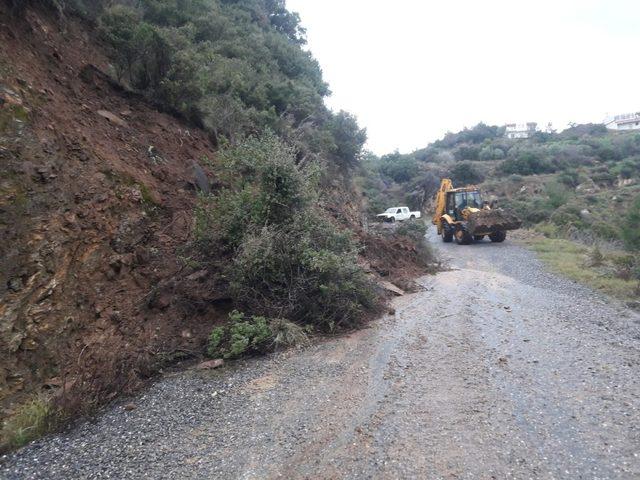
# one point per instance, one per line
(515, 178)
(464, 173)
(468, 152)
(527, 163)
(267, 187)
(287, 260)
(531, 211)
(414, 230)
(569, 178)
(254, 335)
(557, 194)
(306, 271)
(631, 226)
(241, 336)
(628, 168)
(566, 215)
(491, 153)
(606, 230)
(604, 178)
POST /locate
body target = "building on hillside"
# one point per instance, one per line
(625, 121)
(520, 130)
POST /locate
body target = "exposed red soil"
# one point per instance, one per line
(396, 258)
(96, 200)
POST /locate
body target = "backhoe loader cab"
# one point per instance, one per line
(458, 200)
(462, 215)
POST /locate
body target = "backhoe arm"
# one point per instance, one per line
(441, 201)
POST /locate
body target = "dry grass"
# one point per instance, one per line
(287, 334)
(575, 261)
(30, 421)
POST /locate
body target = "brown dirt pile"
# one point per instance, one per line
(493, 220)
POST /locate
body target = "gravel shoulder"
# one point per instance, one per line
(496, 369)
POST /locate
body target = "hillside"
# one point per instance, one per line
(138, 194)
(580, 186)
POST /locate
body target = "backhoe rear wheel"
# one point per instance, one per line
(463, 237)
(498, 237)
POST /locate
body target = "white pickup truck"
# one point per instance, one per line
(397, 214)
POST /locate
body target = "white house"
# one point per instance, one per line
(626, 121)
(520, 130)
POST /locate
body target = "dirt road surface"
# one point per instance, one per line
(497, 369)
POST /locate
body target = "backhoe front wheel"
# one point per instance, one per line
(447, 235)
(498, 237)
(463, 237)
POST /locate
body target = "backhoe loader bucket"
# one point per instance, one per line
(485, 222)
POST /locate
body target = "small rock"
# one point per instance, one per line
(390, 287)
(15, 284)
(112, 117)
(199, 275)
(200, 178)
(392, 311)
(585, 214)
(55, 382)
(129, 406)
(162, 301)
(211, 364)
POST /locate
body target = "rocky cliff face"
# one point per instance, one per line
(96, 197)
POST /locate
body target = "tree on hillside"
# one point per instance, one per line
(349, 138)
(400, 168)
(464, 173)
(234, 67)
(286, 22)
(477, 134)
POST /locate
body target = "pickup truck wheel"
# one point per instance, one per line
(392, 219)
(412, 218)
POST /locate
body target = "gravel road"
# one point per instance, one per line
(497, 369)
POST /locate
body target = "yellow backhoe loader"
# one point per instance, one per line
(462, 215)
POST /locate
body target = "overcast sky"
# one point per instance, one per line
(413, 70)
